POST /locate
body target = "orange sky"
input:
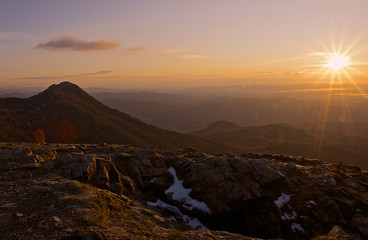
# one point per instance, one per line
(143, 44)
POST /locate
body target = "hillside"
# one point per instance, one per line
(335, 146)
(65, 113)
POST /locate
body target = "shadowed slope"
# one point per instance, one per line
(65, 113)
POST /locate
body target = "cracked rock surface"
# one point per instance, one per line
(101, 191)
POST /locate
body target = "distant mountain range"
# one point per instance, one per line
(334, 145)
(65, 113)
(183, 113)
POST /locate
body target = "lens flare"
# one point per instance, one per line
(337, 61)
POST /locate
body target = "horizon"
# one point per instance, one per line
(320, 93)
(191, 45)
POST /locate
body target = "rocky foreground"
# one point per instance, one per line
(105, 191)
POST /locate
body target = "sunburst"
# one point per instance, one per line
(337, 62)
(337, 68)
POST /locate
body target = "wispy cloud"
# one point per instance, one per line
(67, 76)
(183, 54)
(66, 42)
(317, 90)
(136, 49)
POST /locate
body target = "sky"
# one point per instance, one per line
(157, 44)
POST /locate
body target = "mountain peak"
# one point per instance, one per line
(65, 88)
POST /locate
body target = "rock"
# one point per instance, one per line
(240, 165)
(71, 147)
(263, 173)
(361, 223)
(9, 205)
(103, 173)
(189, 150)
(141, 152)
(259, 162)
(38, 158)
(337, 233)
(31, 165)
(83, 147)
(86, 236)
(142, 168)
(71, 166)
(157, 161)
(6, 155)
(291, 166)
(145, 162)
(98, 174)
(240, 191)
(86, 161)
(123, 156)
(75, 165)
(57, 220)
(217, 162)
(49, 165)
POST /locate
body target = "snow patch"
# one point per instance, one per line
(312, 202)
(291, 216)
(181, 194)
(172, 218)
(153, 180)
(297, 227)
(284, 198)
(193, 222)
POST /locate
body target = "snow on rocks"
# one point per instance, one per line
(284, 198)
(297, 227)
(192, 222)
(153, 180)
(310, 203)
(287, 216)
(181, 194)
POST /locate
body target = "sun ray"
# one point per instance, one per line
(357, 87)
(337, 67)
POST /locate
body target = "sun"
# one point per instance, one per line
(337, 61)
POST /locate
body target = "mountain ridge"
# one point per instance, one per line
(284, 138)
(67, 114)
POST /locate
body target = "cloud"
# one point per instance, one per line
(183, 54)
(66, 42)
(136, 49)
(100, 72)
(66, 76)
(316, 90)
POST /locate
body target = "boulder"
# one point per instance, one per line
(103, 173)
(6, 154)
(263, 172)
(361, 223)
(240, 165)
(338, 233)
(157, 161)
(141, 152)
